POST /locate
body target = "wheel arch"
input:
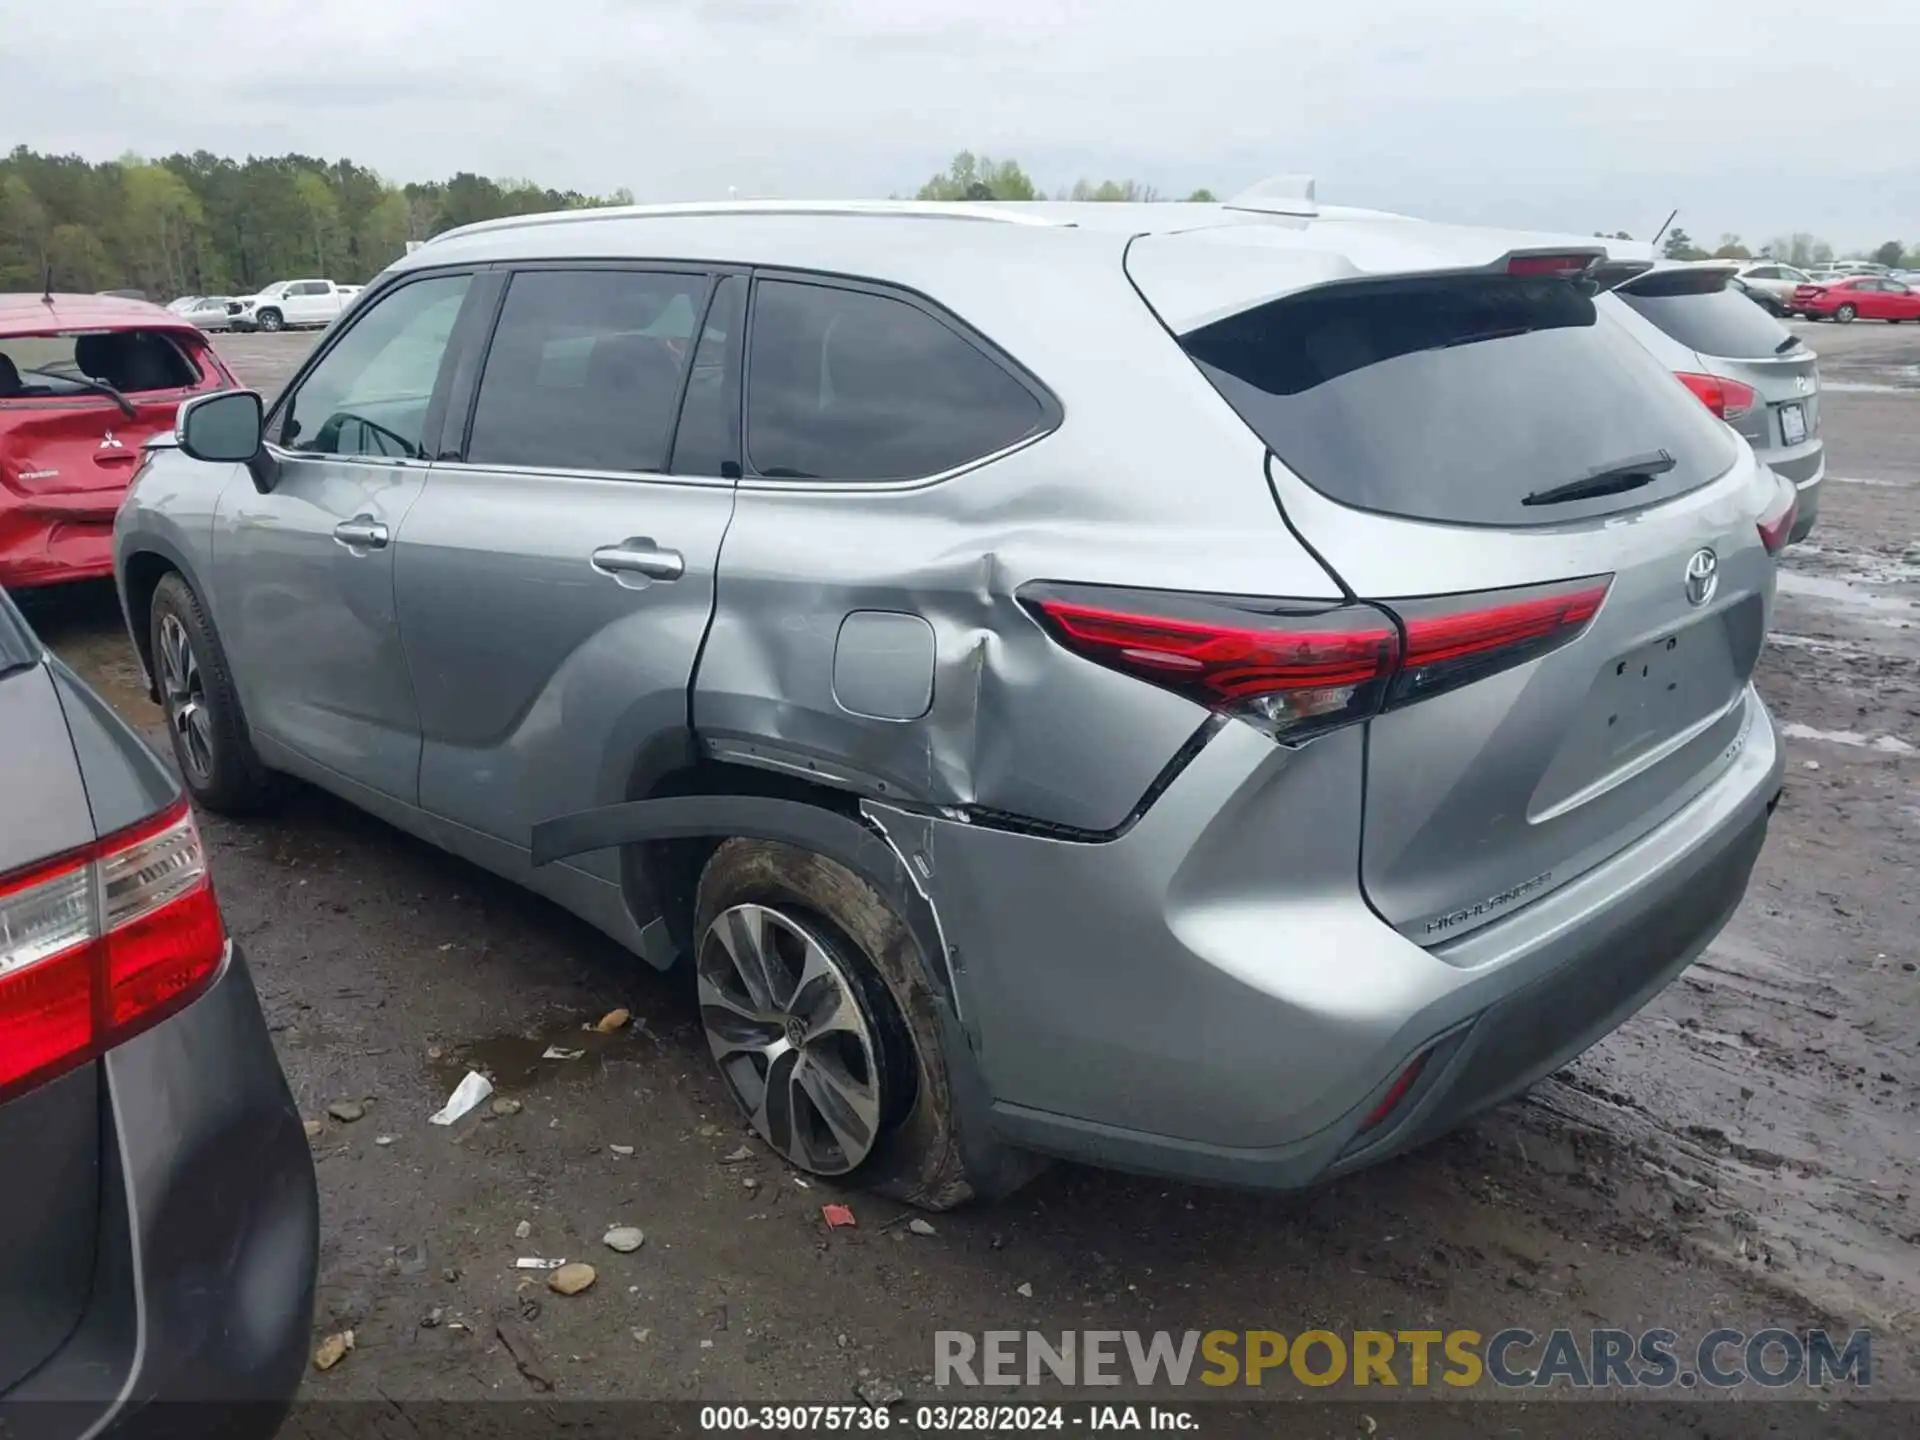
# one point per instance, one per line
(679, 813)
(144, 564)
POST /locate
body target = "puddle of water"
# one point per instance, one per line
(1809, 642)
(520, 1062)
(1843, 592)
(1886, 744)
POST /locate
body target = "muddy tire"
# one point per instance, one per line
(915, 1154)
(211, 745)
(270, 321)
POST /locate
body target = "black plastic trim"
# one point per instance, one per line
(757, 817)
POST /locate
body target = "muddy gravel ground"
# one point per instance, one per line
(1741, 1154)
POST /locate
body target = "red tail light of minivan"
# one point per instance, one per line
(101, 943)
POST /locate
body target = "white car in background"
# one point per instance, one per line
(291, 305)
(1773, 278)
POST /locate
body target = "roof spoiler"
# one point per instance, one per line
(1279, 195)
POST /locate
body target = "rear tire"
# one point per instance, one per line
(1845, 314)
(211, 745)
(814, 916)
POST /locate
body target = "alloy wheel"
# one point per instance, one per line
(185, 699)
(791, 1036)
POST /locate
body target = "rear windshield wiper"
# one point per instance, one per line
(87, 382)
(1786, 345)
(1614, 479)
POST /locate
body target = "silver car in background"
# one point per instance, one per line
(1744, 365)
(1219, 690)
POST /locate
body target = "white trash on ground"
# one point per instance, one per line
(467, 1094)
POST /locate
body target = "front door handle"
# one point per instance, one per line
(363, 532)
(641, 557)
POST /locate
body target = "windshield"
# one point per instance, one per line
(61, 365)
(1455, 399)
(279, 287)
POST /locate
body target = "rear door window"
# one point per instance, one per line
(852, 385)
(1461, 399)
(1718, 322)
(585, 370)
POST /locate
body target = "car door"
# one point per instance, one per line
(1900, 300)
(555, 581)
(304, 572)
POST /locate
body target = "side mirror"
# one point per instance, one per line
(227, 429)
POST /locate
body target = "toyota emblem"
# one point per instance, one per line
(1703, 576)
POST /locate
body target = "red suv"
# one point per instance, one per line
(84, 381)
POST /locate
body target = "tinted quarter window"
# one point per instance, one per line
(708, 440)
(585, 368)
(1455, 399)
(1719, 322)
(369, 394)
(849, 385)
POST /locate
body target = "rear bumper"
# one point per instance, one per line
(54, 545)
(202, 1303)
(1236, 1033)
(1809, 503)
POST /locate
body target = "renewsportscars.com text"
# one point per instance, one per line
(1602, 1358)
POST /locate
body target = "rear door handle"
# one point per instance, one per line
(639, 556)
(363, 532)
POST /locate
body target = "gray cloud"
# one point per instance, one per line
(1750, 120)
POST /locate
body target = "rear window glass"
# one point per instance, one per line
(847, 385)
(1458, 399)
(1722, 323)
(70, 365)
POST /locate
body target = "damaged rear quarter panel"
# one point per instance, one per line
(1149, 481)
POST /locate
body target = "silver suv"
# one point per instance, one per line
(1218, 690)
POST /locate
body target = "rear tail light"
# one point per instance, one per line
(101, 943)
(1291, 669)
(1728, 399)
(1294, 669)
(1457, 640)
(1776, 525)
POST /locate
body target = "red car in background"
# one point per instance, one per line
(85, 380)
(1863, 297)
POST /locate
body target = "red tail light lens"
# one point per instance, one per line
(1290, 668)
(1455, 641)
(1293, 669)
(1728, 399)
(100, 944)
(1776, 525)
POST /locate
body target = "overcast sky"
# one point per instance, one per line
(1753, 116)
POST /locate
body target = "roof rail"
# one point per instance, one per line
(1278, 195)
(915, 209)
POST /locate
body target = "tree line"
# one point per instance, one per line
(976, 177)
(1799, 250)
(207, 224)
(204, 224)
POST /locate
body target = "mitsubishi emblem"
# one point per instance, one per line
(1703, 576)
(108, 442)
